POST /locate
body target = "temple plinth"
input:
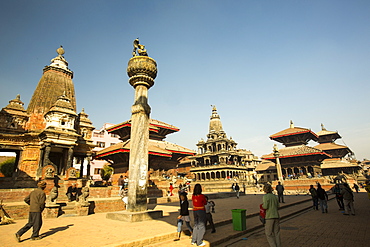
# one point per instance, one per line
(142, 71)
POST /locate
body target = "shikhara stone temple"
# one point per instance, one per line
(49, 135)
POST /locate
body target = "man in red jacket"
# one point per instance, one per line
(36, 200)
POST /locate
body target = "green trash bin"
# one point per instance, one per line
(239, 219)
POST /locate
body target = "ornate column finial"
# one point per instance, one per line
(139, 48)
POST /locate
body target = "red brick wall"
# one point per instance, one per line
(101, 206)
(101, 192)
(14, 195)
(17, 211)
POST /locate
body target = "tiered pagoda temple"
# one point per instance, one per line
(219, 159)
(338, 162)
(49, 133)
(296, 158)
(163, 155)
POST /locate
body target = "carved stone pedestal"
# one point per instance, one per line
(51, 211)
(135, 216)
(82, 210)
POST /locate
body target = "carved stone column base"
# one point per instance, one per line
(135, 216)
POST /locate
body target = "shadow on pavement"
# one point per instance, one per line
(55, 230)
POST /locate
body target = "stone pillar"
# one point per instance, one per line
(88, 166)
(46, 155)
(82, 160)
(142, 71)
(69, 158)
(278, 166)
(39, 169)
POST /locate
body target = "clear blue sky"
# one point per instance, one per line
(262, 63)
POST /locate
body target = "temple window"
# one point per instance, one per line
(98, 134)
(100, 144)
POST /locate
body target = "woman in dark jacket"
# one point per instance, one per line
(184, 215)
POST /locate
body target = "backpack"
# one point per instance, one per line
(262, 215)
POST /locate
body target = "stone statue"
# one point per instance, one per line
(139, 48)
(82, 199)
(52, 196)
(72, 173)
(49, 173)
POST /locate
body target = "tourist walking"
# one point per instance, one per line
(171, 190)
(323, 198)
(237, 189)
(184, 215)
(36, 200)
(348, 199)
(120, 184)
(280, 190)
(338, 196)
(209, 218)
(272, 227)
(315, 199)
(199, 211)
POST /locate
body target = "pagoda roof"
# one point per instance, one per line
(337, 163)
(292, 131)
(330, 146)
(325, 132)
(265, 165)
(157, 148)
(153, 126)
(295, 151)
(157, 130)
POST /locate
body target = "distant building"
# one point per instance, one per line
(101, 139)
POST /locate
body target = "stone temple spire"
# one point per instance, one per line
(215, 124)
(55, 81)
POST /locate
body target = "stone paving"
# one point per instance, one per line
(315, 229)
(96, 230)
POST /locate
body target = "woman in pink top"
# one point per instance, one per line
(199, 211)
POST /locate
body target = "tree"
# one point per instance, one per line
(7, 167)
(106, 172)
